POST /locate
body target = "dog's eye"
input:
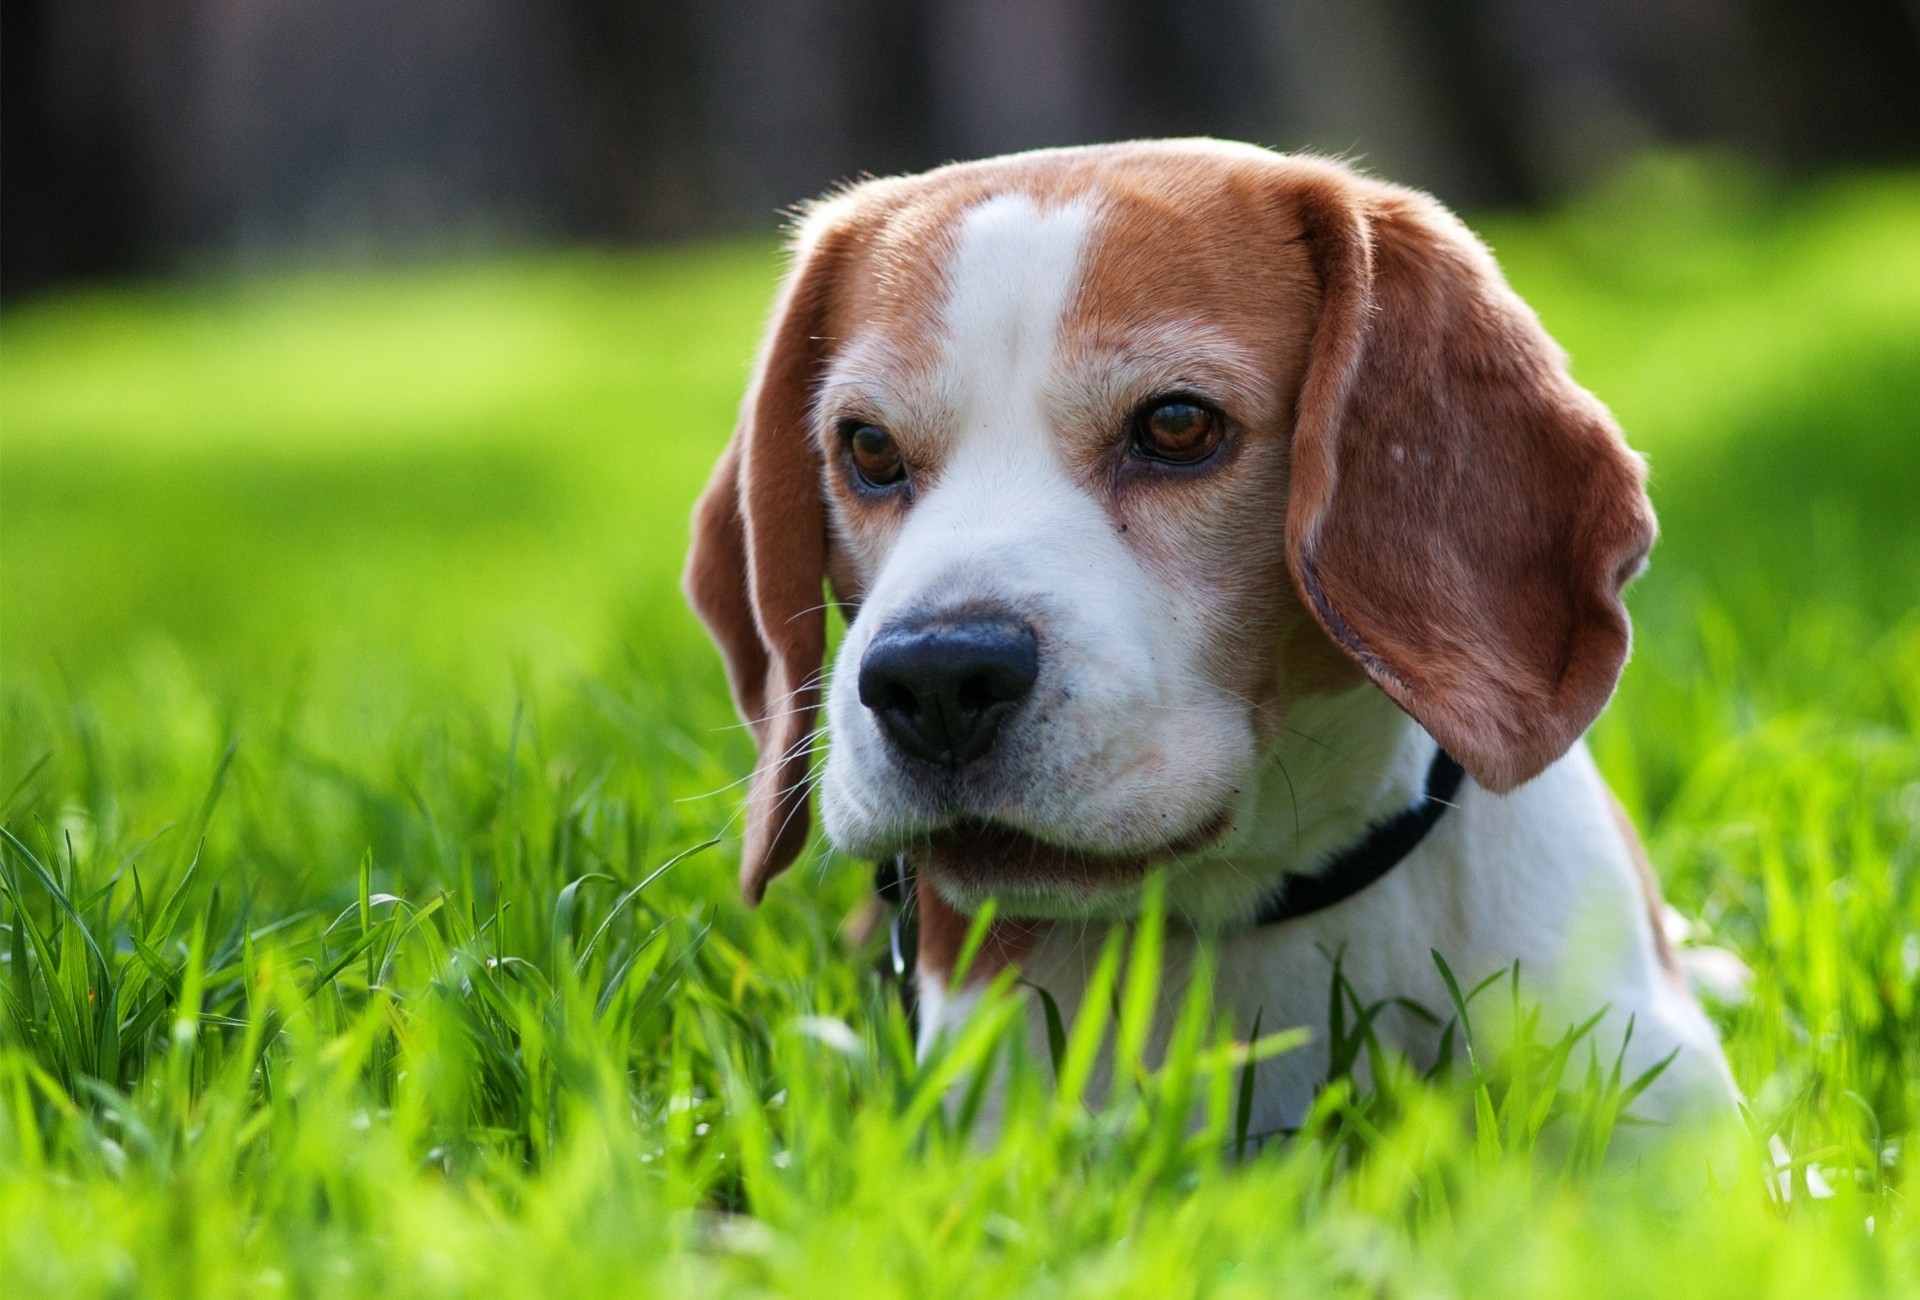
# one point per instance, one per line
(1176, 430)
(875, 457)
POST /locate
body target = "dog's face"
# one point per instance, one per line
(1113, 456)
(1082, 406)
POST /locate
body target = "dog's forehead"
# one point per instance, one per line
(1010, 279)
(1038, 255)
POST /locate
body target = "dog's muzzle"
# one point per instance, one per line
(941, 686)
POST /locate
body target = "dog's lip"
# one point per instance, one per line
(986, 852)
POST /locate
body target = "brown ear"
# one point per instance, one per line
(758, 559)
(1462, 515)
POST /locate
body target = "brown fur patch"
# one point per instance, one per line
(943, 930)
(1463, 515)
(758, 556)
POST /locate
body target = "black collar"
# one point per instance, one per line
(1385, 845)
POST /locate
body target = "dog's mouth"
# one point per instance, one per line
(975, 858)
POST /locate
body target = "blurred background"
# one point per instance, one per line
(154, 135)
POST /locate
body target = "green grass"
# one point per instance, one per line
(351, 715)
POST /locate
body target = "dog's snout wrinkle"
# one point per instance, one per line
(941, 687)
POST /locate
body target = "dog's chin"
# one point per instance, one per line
(970, 861)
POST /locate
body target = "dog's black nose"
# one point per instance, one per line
(941, 687)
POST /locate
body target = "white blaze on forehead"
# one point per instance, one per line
(1014, 269)
(1127, 745)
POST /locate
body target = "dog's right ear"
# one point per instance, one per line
(755, 571)
(1462, 515)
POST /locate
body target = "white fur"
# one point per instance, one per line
(1540, 876)
(1126, 744)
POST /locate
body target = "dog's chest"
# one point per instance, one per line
(1536, 879)
(1283, 977)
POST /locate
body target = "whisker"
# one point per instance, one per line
(714, 794)
(797, 807)
(793, 751)
(814, 609)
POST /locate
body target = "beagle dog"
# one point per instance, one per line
(1200, 508)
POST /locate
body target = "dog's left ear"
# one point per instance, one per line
(1462, 516)
(755, 571)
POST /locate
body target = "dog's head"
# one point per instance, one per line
(1113, 455)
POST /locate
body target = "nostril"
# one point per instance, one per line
(977, 693)
(999, 684)
(941, 688)
(892, 696)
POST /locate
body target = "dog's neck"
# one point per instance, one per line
(1339, 765)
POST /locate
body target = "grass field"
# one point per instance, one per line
(352, 719)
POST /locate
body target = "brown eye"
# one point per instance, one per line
(875, 457)
(1177, 430)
